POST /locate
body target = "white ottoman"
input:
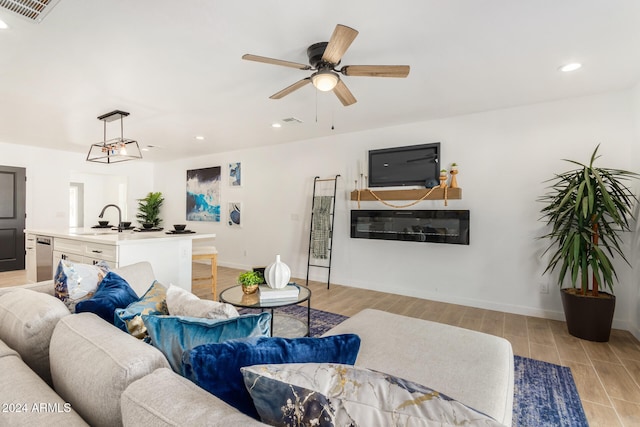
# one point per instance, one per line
(472, 367)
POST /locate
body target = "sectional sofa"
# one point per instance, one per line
(58, 368)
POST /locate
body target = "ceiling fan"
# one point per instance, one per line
(324, 57)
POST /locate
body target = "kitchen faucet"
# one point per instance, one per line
(119, 215)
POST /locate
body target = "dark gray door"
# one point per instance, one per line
(12, 213)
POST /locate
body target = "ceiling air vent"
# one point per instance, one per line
(32, 10)
(292, 120)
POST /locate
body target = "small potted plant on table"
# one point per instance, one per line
(250, 280)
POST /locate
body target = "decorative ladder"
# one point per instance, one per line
(326, 242)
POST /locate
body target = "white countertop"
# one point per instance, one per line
(108, 236)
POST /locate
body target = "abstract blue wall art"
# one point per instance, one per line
(203, 194)
(235, 174)
(234, 209)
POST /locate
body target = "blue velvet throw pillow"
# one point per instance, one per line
(113, 292)
(172, 335)
(216, 367)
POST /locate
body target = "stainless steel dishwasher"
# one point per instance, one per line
(44, 258)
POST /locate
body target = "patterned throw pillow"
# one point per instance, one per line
(75, 282)
(113, 292)
(216, 367)
(342, 395)
(129, 319)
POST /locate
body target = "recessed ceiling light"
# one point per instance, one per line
(570, 67)
(276, 125)
(200, 138)
(3, 25)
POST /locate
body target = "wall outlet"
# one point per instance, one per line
(244, 252)
(544, 288)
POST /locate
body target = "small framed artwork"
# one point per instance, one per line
(235, 174)
(233, 210)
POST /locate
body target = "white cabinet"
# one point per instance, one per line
(101, 252)
(84, 252)
(169, 255)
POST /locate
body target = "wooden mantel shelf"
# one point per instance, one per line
(414, 194)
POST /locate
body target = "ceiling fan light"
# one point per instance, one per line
(325, 80)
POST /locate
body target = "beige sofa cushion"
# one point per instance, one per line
(5, 350)
(47, 287)
(139, 276)
(27, 320)
(93, 362)
(165, 399)
(471, 367)
(28, 401)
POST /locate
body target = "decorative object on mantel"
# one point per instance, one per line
(454, 172)
(250, 280)
(443, 178)
(417, 195)
(277, 274)
(117, 149)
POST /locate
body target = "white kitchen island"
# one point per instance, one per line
(169, 254)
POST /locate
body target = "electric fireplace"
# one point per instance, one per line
(429, 226)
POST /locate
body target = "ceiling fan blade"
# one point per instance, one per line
(344, 94)
(287, 90)
(376, 70)
(266, 60)
(339, 42)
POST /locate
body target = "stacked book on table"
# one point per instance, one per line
(290, 291)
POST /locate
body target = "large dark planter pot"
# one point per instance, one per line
(589, 318)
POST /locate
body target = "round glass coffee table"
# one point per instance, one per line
(282, 325)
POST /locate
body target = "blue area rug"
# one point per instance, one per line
(545, 394)
(321, 321)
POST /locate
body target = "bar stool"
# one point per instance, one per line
(210, 253)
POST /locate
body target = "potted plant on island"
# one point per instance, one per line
(588, 208)
(149, 210)
(250, 280)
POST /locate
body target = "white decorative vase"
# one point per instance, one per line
(277, 274)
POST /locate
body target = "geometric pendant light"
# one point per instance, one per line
(117, 149)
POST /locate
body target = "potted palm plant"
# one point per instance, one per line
(149, 209)
(587, 209)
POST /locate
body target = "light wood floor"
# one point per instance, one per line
(607, 375)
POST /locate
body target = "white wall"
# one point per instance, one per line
(635, 239)
(504, 157)
(49, 173)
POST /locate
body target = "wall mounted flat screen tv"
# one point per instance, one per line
(409, 165)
